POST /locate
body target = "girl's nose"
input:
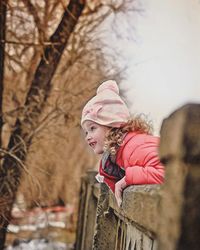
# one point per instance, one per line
(88, 137)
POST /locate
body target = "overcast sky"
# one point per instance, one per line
(163, 58)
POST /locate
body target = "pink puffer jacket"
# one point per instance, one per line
(138, 156)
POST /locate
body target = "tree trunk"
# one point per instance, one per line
(11, 170)
(2, 56)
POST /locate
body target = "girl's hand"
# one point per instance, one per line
(119, 186)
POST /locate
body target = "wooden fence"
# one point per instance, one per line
(152, 217)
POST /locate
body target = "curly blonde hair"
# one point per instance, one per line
(115, 136)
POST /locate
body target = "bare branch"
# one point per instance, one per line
(44, 43)
(36, 18)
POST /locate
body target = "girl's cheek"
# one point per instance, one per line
(85, 138)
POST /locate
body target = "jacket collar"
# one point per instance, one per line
(128, 136)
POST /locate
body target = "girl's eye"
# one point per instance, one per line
(92, 128)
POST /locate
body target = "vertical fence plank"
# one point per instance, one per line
(87, 213)
(190, 217)
(106, 223)
(179, 224)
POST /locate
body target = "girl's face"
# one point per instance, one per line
(95, 135)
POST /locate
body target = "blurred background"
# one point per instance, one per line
(54, 54)
(162, 58)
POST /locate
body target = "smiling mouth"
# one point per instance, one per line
(92, 144)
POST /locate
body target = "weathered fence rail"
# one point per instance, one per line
(152, 217)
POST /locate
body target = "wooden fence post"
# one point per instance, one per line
(87, 213)
(179, 224)
(106, 223)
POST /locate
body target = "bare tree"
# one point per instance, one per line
(36, 50)
(11, 168)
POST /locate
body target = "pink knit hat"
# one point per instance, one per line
(106, 108)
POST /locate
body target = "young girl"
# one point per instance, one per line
(129, 151)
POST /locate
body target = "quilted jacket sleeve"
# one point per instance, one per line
(144, 175)
(143, 165)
